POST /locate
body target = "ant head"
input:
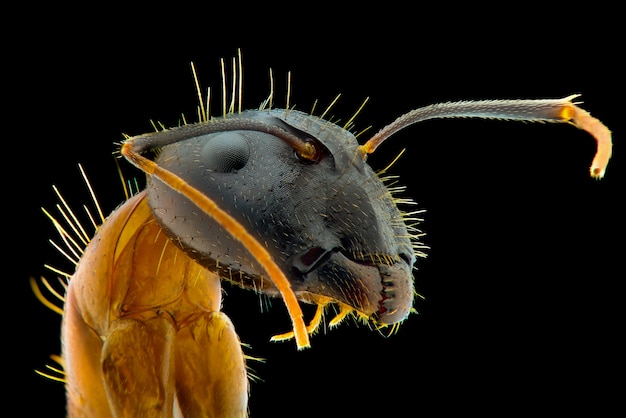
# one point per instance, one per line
(299, 185)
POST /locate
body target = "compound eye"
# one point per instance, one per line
(225, 152)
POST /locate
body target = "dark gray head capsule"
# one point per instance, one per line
(330, 224)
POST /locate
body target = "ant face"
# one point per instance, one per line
(329, 222)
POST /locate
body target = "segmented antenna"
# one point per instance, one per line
(542, 110)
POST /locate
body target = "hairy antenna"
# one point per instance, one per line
(542, 110)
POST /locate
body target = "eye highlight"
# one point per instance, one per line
(225, 152)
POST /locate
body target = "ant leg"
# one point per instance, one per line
(211, 376)
(137, 367)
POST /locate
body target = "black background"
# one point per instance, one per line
(522, 309)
